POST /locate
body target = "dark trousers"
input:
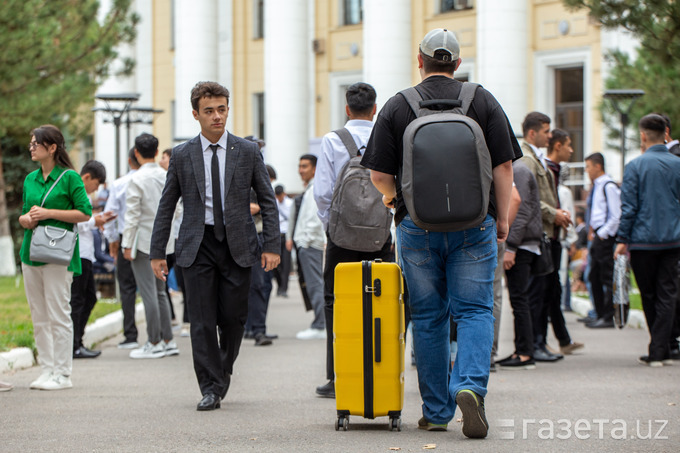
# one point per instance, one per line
(518, 278)
(258, 299)
(83, 300)
(170, 260)
(675, 333)
(128, 295)
(601, 276)
(180, 284)
(334, 256)
(217, 296)
(545, 295)
(656, 275)
(282, 271)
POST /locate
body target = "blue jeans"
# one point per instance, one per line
(449, 274)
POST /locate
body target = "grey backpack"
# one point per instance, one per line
(358, 218)
(446, 175)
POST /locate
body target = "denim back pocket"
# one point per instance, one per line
(479, 241)
(414, 243)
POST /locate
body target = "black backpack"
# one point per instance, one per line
(446, 177)
(358, 218)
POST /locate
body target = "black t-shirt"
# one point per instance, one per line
(385, 147)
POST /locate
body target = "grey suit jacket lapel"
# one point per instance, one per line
(233, 150)
(196, 154)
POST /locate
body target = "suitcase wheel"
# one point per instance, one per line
(395, 423)
(342, 422)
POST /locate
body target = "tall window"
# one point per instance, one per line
(258, 108)
(352, 12)
(258, 16)
(569, 117)
(454, 5)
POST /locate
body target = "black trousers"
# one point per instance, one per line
(334, 256)
(656, 273)
(170, 260)
(282, 271)
(128, 295)
(601, 276)
(83, 300)
(217, 296)
(258, 299)
(545, 296)
(518, 278)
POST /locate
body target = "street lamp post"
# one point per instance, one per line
(139, 115)
(116, 115)
(623, 101)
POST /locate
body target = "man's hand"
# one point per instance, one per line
(113, 249)
(502, 230)
(160, 268)
(104, 217)
(269, 261)
(621, 249)
(562, 218)
(289, 245)
(508, 260)
(127, 254)
(389, 202)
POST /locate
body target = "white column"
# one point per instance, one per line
(225, 48)
(502, 46)
(388, 51)
(286, 56)
(196, 45)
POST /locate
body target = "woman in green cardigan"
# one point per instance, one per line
(48, 286)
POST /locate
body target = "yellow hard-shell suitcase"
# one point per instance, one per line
(368, 342)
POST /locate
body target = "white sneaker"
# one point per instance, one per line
(38, 383)
(170, 348)
(185, 332)
(311, 334)
(149, 351)
(58, 382)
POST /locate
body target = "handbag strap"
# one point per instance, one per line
(53, 185)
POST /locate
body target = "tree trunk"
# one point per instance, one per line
(7, 265)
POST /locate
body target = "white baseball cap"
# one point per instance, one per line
(441, 44)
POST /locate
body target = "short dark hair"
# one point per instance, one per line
(596, 159)
(278, 190)
(133, 158)
(271, 171)
(168, 151)
(146, 145)
(654, 126)
(95, 169)
(309, 157)
(534, 121)
(433, 64)
(360, 98)
(558, 136)
(207, 90)
(48, 135)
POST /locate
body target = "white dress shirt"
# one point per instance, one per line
(332, 158)
(113, 230)
(605, 214)
(540, 153)
(284, 213)
(86, 240)
(308, 228)
(207, 163)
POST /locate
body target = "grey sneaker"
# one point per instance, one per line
(474, 419)
(149, 351)
(170, 348)
(424, 424)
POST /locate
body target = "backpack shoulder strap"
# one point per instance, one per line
(467, 95)
(348, 141)
(413, 98)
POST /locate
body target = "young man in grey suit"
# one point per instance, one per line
(217, 243)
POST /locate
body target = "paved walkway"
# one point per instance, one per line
(119, 404)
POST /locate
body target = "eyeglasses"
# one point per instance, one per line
(33, 145)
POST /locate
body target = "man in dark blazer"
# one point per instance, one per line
(217, 243)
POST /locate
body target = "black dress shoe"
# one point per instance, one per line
(601, 324)
(84, 353)
(541, 355)
(227, 382)
(210, 402)
(327, 390)
(271, 336)
(586, 319)
(262, 340)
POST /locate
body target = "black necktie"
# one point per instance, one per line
(216, 195)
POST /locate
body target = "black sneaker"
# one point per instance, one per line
(262, 340)
(327, 390)
(517, 364)
(654, 363)
(471, 405)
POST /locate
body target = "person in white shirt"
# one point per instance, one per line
(282, 272)
(309, 239)
(604, 214)
(113, 232)
(83, 292)
(142, 198)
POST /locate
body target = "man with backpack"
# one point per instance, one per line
(357, 224)
(437, 170)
